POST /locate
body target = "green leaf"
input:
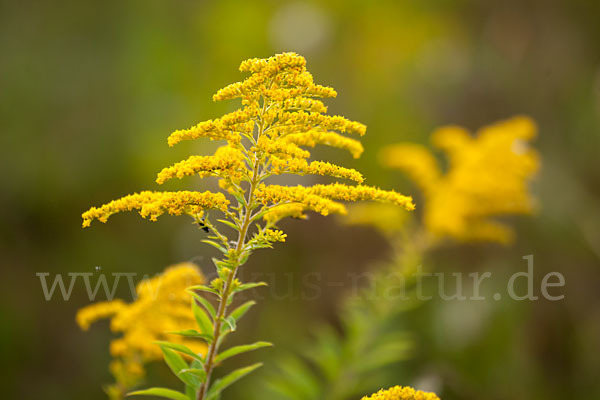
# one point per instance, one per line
(220, 264)
(160, 392)
(299, 381)
(193, 333)
(177, 364)
(198, 373)
(190, 392)
(182, 349)
(240, 349)
(244, 258)
(209, 307)
(229, 224)
(204, 288)
(228, 326)
(242, 310)
(383, 355)
(221, 384)
(203, 321)
(216, 245)
(247, 286)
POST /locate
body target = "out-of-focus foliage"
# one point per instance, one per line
(88, 90)
(366, 354)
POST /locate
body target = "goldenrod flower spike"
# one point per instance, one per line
(488, 175)
(401, 393)
(280, 116)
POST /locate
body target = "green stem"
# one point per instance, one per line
(213, 348)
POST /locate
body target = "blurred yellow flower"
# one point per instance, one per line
(162, 305)
(401, 393)
(488, 176)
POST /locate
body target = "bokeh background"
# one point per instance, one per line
(89, 92)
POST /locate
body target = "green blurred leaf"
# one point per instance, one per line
(229, 224)
(229, 325)
(182, 349)
(192, 333)
(177, 364)
(240, 349)
(247, 286)
(209, 307)
(203, 320)
(204, 288)
(160, 392)
(216, 245)
(220, 384)
(199, 373)
(240, 311)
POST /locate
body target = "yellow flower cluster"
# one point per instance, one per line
(401, 393)
(277, 78)
(227, 161)
(227, 128)
(320, 198)
(302, 167)
(280, 115)
(275, 235)
(488, 176)
(162, 305)
(154, 204)
(314, 137)
(277, 213)
(280, 148)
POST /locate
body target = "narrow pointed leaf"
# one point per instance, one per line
(203, 321)
(247, 286)
(240, 349)
(177, 364)
(229, 224)
(242, 310)
(229, 325)
(209, 307)
(221, 384)
(216, 245)
(160, 392)
(198, 373)
(182, 349)
(204, 288)
(193, 333)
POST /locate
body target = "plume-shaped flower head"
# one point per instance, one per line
(281, 118)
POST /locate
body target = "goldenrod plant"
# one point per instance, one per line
(488, 176)
(280, 118)
(162, 305)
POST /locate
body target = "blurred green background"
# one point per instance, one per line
(89, 92)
